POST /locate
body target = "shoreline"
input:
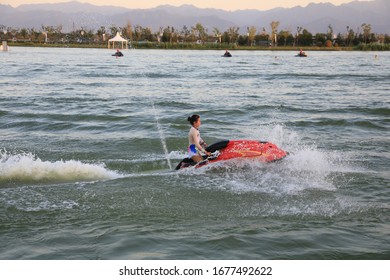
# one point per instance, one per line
(204, 47)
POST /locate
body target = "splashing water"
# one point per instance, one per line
(162, 137)
(26, 167)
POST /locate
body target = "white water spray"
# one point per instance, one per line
(27, 167)
(162, 137)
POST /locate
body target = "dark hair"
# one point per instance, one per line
(193, 119)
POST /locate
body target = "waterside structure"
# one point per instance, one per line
(4, 46)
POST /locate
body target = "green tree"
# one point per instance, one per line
(340, 40)
(263, 38)
(242, 40)
(23, 32)
(387, 39)
(299, 30)
(320, 39)
(350, 36)
(201, 32)
(306, 38)
(282, 37)
(166, 37)
(127, 31)
(147, 34)
(217, 34)
(251, 34)
(101, 33)
(290, 40)
(33, 34)
(113, 30)
(329, 33)
(174, 35)
(185, 33)
(366, 31)
(194, 34)
(137, 33)
(274, 31)
(231, 34)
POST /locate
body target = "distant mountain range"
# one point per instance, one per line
(314, 17)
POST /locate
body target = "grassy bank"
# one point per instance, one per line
(189, 46)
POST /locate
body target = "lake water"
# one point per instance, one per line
(88, 144)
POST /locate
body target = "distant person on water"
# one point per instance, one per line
(301, 53)
(118, 53)
(196, 144)
(227, 54)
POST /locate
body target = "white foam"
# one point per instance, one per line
(27, 167)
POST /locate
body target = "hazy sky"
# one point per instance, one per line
(221, 4)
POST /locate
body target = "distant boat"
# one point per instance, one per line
(227, 54)
(118, 53)
(301, 54)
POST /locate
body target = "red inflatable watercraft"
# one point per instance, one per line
(231, 149)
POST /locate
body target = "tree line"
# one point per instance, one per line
(198, 34)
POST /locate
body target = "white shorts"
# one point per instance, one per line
(192, 151)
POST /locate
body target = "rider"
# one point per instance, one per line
(118, 53)
(196, 143)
